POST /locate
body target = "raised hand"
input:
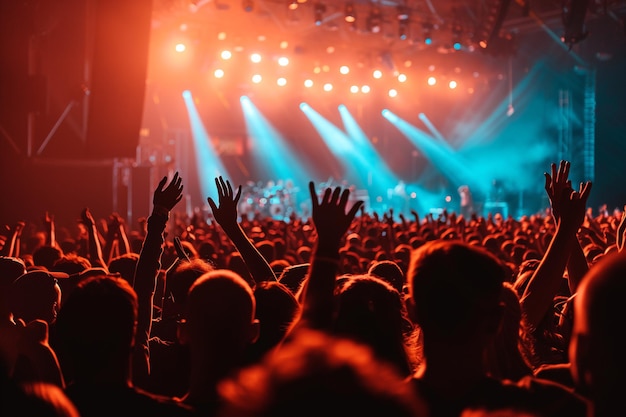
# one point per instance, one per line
(166, 198)
(329, 215)
(557, 184)
(226, 213)
(87, 218)
(573, 205)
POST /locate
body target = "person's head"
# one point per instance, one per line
(124, 265)
(36, 295)
(46, 256)
(10, 269)
(371, 311)
(316, 374)
(179, 279)
(506, 357)
(96, 328)
(71, 263)
(276, 309)
(454, 292)
(267, 249)
(220, 315)
(391, 272)
(293, 276)
(596, 349)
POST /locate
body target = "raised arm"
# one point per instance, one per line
(331, 224)
(12, 245)
(93, 242)
(557, 185)
(538, 298)
(48, 221)
(149, 264)
(226, 216)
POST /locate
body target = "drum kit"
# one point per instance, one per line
(270, 200)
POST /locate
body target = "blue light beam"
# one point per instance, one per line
(208, 163)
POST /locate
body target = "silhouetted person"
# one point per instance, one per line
(96, 331)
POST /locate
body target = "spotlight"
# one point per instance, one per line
(281, 82)
(283, 61)
(403, 13)
(403, 30)
(319, 9)
(377, 74)
(452, 84)
(401, 78)
(344, 69)
(432, 81)
(256, 58)
(350, 13)
(393, 93)
(292, 4)
(218, 73)
(365, 89)
(328, 87)
(180, 47)
(308, 83)
(354, 89)
(256, 78)
(226, 54)
(426, 30)
(374, 21)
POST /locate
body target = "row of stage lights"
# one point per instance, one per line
(309, 83)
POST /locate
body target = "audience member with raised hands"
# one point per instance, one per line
(96, 331)
(116, 240)
(538, 298)
(557, 184)
(225, 214)
(331, 224)
(94, 246)
(12, 243)
(148, 267)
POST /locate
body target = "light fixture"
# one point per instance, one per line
(319, 9)
(427, 31)
(403, 13)
(403, 22)
(350, 13)
(292, 4)
(374, 21)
